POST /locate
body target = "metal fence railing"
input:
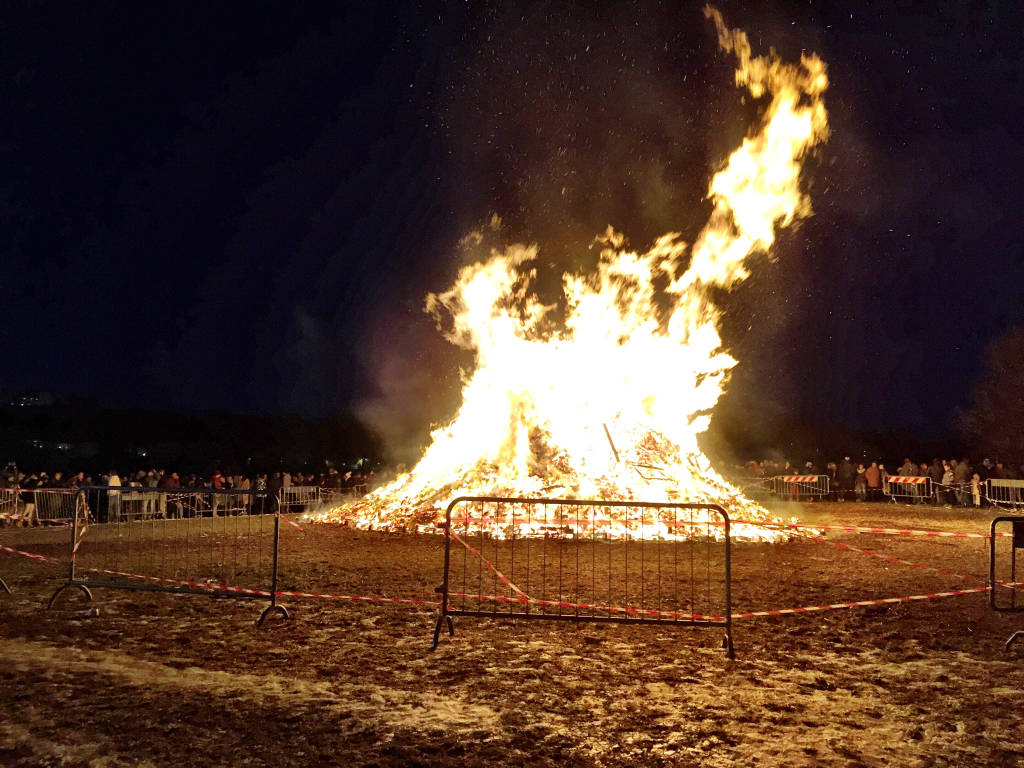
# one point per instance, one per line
(796, 487)
(587, 561)
(9, 504)
(300, 498)
(912, 490)
(1005, 493)
(223, 543)
(52, 505)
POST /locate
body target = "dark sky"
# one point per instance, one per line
(241, 205)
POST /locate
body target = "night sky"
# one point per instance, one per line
(241, 206)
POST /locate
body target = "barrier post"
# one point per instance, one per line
(80, 504)
(729, 650)
(8, 500)
(274, 607)
(444, 586)
(1016, 542)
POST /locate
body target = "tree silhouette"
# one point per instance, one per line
(994, 422)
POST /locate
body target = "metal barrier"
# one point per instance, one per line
(180, 540)
(1016, 542)
(7, 516)
(1005, 493)
(299, 498)
(52, 505)
(915, 490)
(587, 561)
(796, 487)
(9, 502)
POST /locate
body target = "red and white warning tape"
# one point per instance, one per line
(497, 598)
(491, 565)
(8, 516)
(863, 529)
(526, 599)
(900, 561)
(891, 559)
(858, 603)
(33, 555)
(290, 522)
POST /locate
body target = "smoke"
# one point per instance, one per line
(416, 378)
(416, 371)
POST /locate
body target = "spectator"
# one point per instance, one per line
(833, 480)
(860, 483)
(873, 476)
(149, 481)
(274, 491)
(845, 473)
(28, 500)
(114, 498)
(934, 472)
(217, 482)
(961, 478)
(944, 495)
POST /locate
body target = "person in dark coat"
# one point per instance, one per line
(935, 473)
(274, 485)
(845, 473)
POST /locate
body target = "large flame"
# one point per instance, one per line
(609, 402)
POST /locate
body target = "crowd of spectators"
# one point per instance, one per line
(356, 482)
(951, 481)
(22, 494)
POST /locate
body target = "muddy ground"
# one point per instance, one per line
(138, 678)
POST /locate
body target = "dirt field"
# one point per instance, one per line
(139, 678)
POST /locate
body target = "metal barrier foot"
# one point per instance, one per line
(437, 630)
(1013, 637)
(270, 609)
(3, 585)
(730, 652)
(62, 587)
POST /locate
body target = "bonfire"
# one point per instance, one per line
(604, 393)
